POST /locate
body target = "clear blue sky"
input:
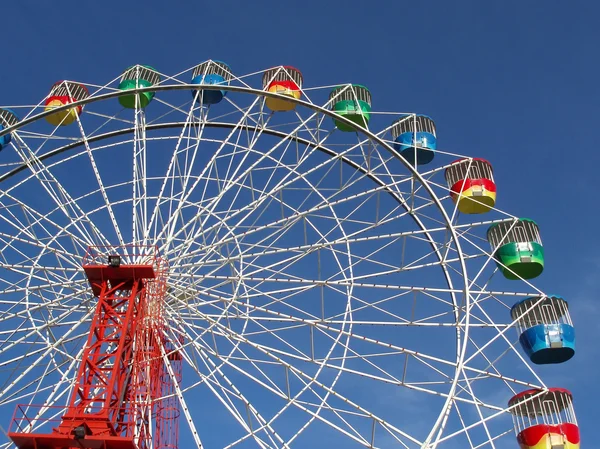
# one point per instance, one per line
(515, 82)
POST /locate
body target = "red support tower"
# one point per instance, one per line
(121, 376)
(167, 413)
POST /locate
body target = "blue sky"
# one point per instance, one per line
(514, 82)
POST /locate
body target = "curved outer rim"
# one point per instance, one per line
(319, 109)
(271, 132)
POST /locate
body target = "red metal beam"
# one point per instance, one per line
(105, 370)
(118, 383)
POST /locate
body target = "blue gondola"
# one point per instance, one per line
(213, 73)
(415, 138)
(546, 330)
(7, 119)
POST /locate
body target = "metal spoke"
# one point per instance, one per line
(320, 284)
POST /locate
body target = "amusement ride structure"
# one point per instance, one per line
(262, 264)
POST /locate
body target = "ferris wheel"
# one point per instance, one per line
(235, 261)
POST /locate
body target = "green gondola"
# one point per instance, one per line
(517, 248)
(133, 78)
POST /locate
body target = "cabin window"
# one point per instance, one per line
(60, 90)
(487, 170)
(268, 78)
(461, 171)
(143, 73)
(7, 118)
(550, 408)
(210, 68)
(518, 234)
(282, 74)
(550, 311)
(476, 171)
(200, 69)
(521, 232)
(549, 314)
(410, 123)
(340, 94)
(564, 312)
(364, 95)
(222, 70)
(567, 408)
(73, 90)
(351, 93)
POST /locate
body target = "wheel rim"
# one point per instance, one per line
(242, 240)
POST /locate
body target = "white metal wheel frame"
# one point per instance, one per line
(324, 290)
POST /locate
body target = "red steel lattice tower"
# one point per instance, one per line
(123, 397)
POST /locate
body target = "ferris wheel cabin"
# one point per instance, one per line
(136, 77)
(415, 138)
(283, 80)
(7, 119)
(211, 73)
(545, 419)
(471, 184)
(517, 248)
(61, 94)
(546, 331)
(352, 102)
